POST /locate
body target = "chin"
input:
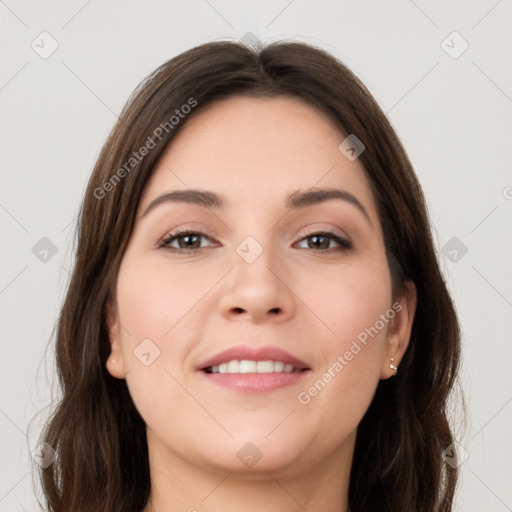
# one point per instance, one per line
(252, 457)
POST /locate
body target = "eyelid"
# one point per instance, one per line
(174, 234)
(331, 230)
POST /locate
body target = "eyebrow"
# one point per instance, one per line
(296, 200)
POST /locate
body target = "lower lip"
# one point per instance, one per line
(256, 382)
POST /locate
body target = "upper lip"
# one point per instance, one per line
(252, 353)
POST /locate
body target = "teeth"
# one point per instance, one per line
(246, 366)
(233, 367)
(278, 366)
(264, 366)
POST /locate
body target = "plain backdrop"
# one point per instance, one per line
(441, 70)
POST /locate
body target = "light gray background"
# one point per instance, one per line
(453, 115)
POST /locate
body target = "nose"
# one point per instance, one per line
(259, 291)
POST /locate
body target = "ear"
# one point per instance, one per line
(399, 331)
(115, 363)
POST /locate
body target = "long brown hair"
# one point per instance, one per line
(99, 436)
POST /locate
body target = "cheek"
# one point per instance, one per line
(347, 301)
(154, 299)
(152, 304)
(159, 307)
(352, 304)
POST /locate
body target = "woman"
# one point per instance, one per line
(256, 317)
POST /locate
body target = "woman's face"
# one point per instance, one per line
(257, 276)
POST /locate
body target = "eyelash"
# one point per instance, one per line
(164, 243)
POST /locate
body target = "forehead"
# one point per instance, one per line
(256, 151)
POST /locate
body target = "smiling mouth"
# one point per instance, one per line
(250, 366)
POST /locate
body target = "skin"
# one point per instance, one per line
(254, 152)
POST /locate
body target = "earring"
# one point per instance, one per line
(392, 366)
(112, 360)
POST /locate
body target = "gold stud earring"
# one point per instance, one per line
(392, 366)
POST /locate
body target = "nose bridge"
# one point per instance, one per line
(256, 287)
(254, 260)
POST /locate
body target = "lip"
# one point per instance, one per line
(254, 383)
(252, 353)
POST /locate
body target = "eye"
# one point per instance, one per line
(190, 241)
(186, 240)
(323, 240)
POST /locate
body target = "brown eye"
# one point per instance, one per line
(322, 241)
(186, 241)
